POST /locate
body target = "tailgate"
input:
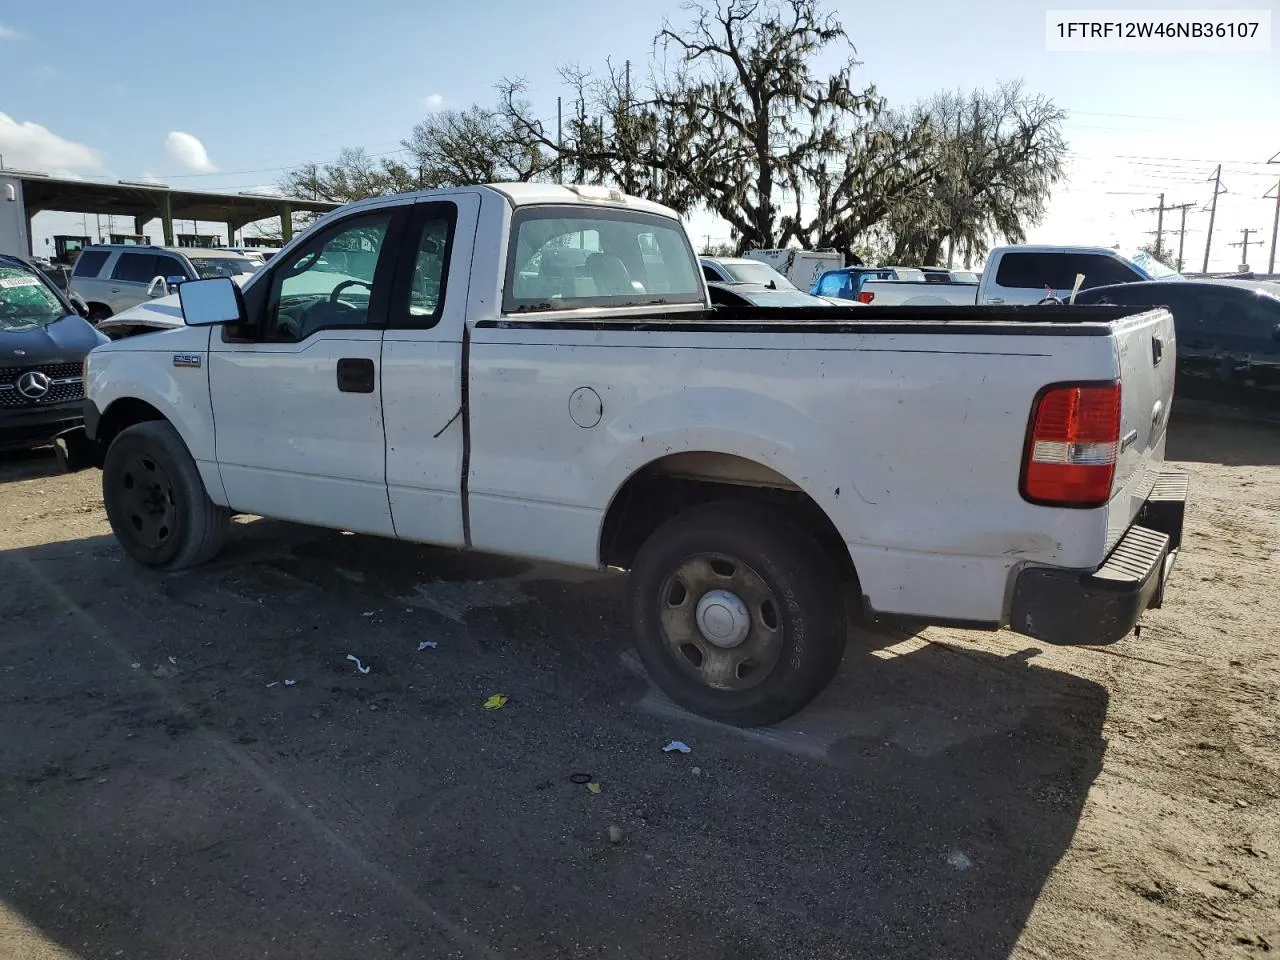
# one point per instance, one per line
(1146, 354)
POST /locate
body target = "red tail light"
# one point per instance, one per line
(866, 297)
(1075, 438)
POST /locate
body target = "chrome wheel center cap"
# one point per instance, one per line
(723, 619)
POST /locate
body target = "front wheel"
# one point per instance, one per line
(156, 502)
(738, 613)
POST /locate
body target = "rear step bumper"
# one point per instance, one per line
(1069, 607)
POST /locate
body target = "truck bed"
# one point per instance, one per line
(1045, 320)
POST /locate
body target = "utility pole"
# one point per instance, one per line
(1244, 242)
(1213, 212)
(1182, 231)
(626, 113)
(1159, 212)
(1275, 224)
(559, 140)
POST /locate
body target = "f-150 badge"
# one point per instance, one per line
(186, 359)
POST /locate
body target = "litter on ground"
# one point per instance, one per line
(427, 645)
(676, 746)
(496, 702)
(356, 660)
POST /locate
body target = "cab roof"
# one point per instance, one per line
(519, 195)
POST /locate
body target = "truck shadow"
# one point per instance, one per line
(162, 791)
(1208, 435)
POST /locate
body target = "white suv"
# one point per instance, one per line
(114, 277)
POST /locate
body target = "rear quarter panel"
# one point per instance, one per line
(911, 443)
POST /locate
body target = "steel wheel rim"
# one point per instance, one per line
(742, 666)
(147, 500)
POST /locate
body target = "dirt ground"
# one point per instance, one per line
(190, 766)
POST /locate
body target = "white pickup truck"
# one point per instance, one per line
(1022, 275)
(537, 371)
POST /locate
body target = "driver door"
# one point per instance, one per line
(296, 393)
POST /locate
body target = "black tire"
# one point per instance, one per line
(98, 313)
(787, 664)
(156, 502)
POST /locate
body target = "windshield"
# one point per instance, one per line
(964, 276)
(755, 272)
(1152, 268)
(210, 267)
(25, 301)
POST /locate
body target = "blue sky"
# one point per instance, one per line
(276, 83)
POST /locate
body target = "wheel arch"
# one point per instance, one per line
(122, 414)
(672, 482)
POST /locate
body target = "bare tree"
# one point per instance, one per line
(353, 176)
(732, 125)
(475, 145)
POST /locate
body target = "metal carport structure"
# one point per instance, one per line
(146, 201)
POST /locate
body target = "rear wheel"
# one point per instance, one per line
(156, 502)
(737, 612)
(97, 313)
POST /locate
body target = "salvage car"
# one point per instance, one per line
(44, 339)
(114, 277)
(759, 295)
(1228, 333)
(1023, 275)
(469, 384)
(743, 270)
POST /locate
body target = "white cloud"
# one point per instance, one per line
(8, 33)
(29, 146)
(433, 101)
(188, 151)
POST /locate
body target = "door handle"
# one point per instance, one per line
(1157, 350)
(115, 289)
(995, 299)
(355, 375)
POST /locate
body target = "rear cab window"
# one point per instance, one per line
(568, 258)
(89, 263)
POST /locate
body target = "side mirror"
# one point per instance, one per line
(79, 306)
(206, 303)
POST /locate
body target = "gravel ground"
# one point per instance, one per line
(192, 768)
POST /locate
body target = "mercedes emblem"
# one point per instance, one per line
(33, 384)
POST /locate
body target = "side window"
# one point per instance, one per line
(1100, 271)
(328, 282)
(1035, 271)
(170, 267)
(90, 263)
(563, 258)
(710, 275)
(1238, 313)
(134, 268)
(430, 269)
